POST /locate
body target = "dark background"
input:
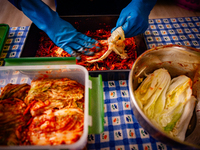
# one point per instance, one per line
(90, 7)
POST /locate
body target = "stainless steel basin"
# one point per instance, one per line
(177, 60)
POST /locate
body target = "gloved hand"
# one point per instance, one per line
(134, 17)
(61, 32)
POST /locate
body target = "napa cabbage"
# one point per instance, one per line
(166, 101)
(152, 90)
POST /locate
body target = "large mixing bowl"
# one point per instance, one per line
(178, 60)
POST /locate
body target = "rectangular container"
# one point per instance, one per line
(24, 74)
(83, 24)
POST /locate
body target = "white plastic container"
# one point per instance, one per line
(24, 74)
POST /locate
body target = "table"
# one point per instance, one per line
(121, 129)
(181, 31)
(14, 43)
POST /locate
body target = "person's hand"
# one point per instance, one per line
(134, 17)
(61, 32)
(68, 38)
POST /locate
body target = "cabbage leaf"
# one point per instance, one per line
(151, 90)
(178, 93)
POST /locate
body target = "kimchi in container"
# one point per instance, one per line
(26, 74)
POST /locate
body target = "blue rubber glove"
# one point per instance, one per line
(134, 17)
(61, 32)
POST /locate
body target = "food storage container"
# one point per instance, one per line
(25, 74)
(178, 60)
(82, 24)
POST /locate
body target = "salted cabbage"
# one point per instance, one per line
(167, 102)
(151, 89)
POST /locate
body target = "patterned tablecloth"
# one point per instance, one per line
(122, 130)
(14, 43)
(182, 31)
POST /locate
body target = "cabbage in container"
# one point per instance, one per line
(167, 102)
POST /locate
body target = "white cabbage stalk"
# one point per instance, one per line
(160, 103)
(178, 94)
(150, 90)
(181, 126)
(194, 137)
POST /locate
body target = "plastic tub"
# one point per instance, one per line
(24, 74)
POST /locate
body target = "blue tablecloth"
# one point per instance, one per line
(14, 43)
(182, 31)
(122, 131)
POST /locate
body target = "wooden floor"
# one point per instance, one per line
(163, 9)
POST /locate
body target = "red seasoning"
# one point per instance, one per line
(113, 62)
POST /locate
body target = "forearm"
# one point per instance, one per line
(144, 5)
(61, 32)
(38, 12)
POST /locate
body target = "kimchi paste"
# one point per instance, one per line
(113, 62)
